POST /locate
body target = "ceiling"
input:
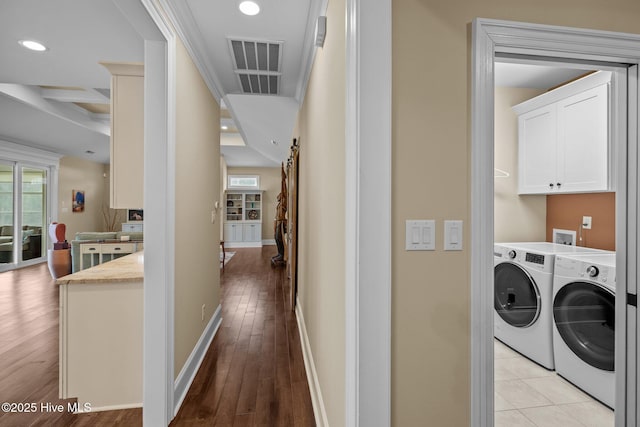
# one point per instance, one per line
(57, 100)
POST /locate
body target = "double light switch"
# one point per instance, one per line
(420, 235)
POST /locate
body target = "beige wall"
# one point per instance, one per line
(270, 183)
(197, 274)
(80, 174)
(516, 218)
(320, 126)
(431, 154)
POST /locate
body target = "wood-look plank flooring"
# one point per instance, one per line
(252, 375)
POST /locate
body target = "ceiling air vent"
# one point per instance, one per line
(257, 64)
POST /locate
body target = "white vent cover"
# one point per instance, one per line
(257, 65)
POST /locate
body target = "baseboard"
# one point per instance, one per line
(268, 242)
(104, 408)
(228, 245)
(319, 411)
(190, 368)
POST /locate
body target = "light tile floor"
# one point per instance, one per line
(528, 395)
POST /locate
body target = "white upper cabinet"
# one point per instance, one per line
(563, 139)
(127, 135)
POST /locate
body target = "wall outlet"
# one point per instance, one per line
(586, 222)
(204, 307)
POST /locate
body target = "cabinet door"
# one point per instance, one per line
(233, 232)
(537, 150)
(252, 233)
(583, 135)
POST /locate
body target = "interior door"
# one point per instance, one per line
(292, 212)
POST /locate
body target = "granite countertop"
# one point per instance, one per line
(128, 268)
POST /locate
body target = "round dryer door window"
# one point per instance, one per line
(516, 295)
(585, 314)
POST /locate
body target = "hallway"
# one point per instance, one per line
(253, 373)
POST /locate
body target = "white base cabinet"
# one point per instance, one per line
(563, 139)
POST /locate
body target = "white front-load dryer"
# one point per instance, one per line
(523, 295)
(584, 322)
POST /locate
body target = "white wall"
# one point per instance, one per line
(516, 218)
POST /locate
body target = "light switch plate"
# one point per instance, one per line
(453, 235)
(420, 235)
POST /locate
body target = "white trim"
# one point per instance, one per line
(368, 214)
(180, 15)
(319, 411)
(191, 366)
(491, 37)
(268, 242)
(159, 202)
(16, 152)
(316, 8)
(242, 244)
(109, 408)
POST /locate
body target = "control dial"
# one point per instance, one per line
(512, 254)
(592, 271)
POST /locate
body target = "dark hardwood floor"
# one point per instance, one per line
(252, 375)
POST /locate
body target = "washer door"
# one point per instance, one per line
(584, 314)
(516, 297)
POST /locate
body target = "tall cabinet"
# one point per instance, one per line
(127, 135)
(243, 219)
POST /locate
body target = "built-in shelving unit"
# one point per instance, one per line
(243, 218)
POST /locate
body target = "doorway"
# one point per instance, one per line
(25, 206)
(551, 120)
(492, 38)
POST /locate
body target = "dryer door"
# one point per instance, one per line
(516, 296)
(584, 314)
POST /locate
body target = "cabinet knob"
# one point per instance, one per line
(551, 185)
(558, 184)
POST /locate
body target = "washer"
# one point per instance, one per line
(584, 322)
(523, 296)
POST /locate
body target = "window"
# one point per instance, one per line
(244, 181)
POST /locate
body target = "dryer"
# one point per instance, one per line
(584, 322)
(523, 295)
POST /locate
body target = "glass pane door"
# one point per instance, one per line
(6, 214)
(34, 212)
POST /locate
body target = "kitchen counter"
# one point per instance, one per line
(101, 334)
(129, 268)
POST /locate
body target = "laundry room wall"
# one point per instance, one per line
(565, 211)
(516, 218)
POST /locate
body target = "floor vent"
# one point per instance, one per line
(257, 64)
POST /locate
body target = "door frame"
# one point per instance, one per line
(491, 37)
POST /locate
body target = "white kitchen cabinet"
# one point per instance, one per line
(127, 135)
(563, 139)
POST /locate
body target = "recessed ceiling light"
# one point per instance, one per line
(274, 142)
(249, 8)
(224, 127)
(33, 45)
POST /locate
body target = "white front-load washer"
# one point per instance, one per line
(523, 295)
(584, 322)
